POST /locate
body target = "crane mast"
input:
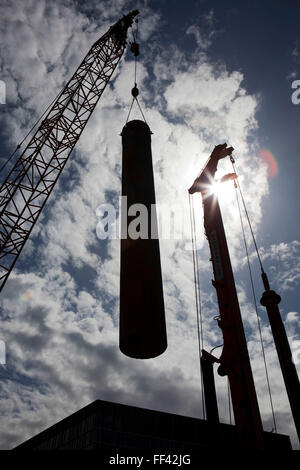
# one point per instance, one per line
(234, 360)
(30, 182)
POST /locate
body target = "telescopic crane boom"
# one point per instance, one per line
(234, 360)
(30, 182)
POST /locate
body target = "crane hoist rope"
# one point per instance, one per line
(197, 296)
(135, 49)
(238, 189)
(270, 300)
(247, 215)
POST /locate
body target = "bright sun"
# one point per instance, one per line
(223, 190)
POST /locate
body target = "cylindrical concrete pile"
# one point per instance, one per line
(142, 313)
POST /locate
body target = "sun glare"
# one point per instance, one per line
(223, 190)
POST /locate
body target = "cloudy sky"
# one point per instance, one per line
(209, 72)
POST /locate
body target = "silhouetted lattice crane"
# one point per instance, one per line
(30, 182)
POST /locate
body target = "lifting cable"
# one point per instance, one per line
(237, 187)
(134, 47)
(197, 296)
(247, 215)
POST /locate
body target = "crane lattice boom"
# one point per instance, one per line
(30, 182)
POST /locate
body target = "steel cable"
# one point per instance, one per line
(197, 298)
(237, 186)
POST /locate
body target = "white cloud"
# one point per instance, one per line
(283, 264)
(293, 317)
(203, 40)
(204, 30)
(296, 52)
(291, 75)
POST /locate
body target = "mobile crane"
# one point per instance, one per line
(29, 183)
(234, 360)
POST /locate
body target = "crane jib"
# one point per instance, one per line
(28, 185)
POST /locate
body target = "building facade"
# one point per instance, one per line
(111, 427)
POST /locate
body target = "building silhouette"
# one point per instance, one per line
(112, 427)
